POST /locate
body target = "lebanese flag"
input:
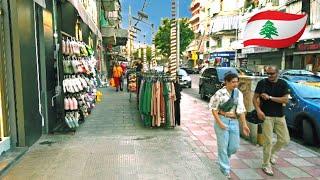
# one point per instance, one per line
(274, 29)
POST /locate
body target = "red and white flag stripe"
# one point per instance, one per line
(289, 28)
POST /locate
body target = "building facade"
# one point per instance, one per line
(304, 54)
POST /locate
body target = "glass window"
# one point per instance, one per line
(315, 14)
(182, 72)
(306, 91)
(223, 71)
(210, 72)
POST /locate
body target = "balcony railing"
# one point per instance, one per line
(225, 23)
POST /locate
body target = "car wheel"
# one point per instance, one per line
(202, 95)
(308, 133)
(189, 86)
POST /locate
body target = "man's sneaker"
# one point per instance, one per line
(228, 176)
(268, 171)
(273, 160)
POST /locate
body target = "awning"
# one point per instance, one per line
(86, 18)
(114, 36)
(42, 3)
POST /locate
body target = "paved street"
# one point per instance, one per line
(295, 161)
(194, 92)
(113, 144)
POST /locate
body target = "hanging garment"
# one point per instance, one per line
(166, 94)
(157, 104)
(172, 100)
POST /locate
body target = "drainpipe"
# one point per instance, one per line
(56, 50)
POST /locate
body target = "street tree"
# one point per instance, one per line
(149, 54)
(162, 39)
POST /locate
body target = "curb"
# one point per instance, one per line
(10, 158)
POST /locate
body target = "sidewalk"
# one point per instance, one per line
(113, 144)
(294, 162)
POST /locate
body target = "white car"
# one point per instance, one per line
(184, 78)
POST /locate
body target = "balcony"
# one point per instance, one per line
(194, 19)
(225, 23)
(111, 5)
(113, 36)
(194, 5)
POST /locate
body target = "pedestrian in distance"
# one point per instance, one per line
(117, 73)
(228, 108)
(270, 97)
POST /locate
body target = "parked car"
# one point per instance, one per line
(184, 78)
(246, 72)
(295, 72)
(300, 76)
(190, 70)
(303, 111)
(211, 79)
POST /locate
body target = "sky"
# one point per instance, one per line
(156, 10)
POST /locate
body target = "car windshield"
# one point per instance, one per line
(182, 72)
(305, 78)
(223, 71)
(306, 91)
(297, 72)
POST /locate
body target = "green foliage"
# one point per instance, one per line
(162, 39)
(149, 54)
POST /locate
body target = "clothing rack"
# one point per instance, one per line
(66, 34)
(156, 100)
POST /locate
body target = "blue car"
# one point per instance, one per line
(303, 111)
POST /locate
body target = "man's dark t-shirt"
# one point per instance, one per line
(139, 67)
(278, 89)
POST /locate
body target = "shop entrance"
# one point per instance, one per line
(45, 64)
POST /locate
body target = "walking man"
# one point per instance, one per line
(270, 97)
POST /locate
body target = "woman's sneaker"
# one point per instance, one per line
(268, 171)
(273, 160)
(228, 176)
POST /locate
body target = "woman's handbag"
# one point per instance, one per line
(112, 83)
(227, 106)
(252, 117)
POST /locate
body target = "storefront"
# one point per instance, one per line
(224, 59)
(7, 134)
(307, 55)
(31, 68)
(257, 57)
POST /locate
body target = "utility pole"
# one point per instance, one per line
(173, 54)
(144, 53)
(153, 53)
(178, 35)
(130, 40)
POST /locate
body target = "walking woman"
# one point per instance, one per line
(226, 106)
(117, 73)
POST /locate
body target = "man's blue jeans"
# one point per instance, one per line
(228, 141)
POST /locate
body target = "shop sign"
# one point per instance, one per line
(309, 46)
(227, 54)
(252, 50)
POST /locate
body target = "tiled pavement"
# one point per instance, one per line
(294, 162)
(113, 144)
